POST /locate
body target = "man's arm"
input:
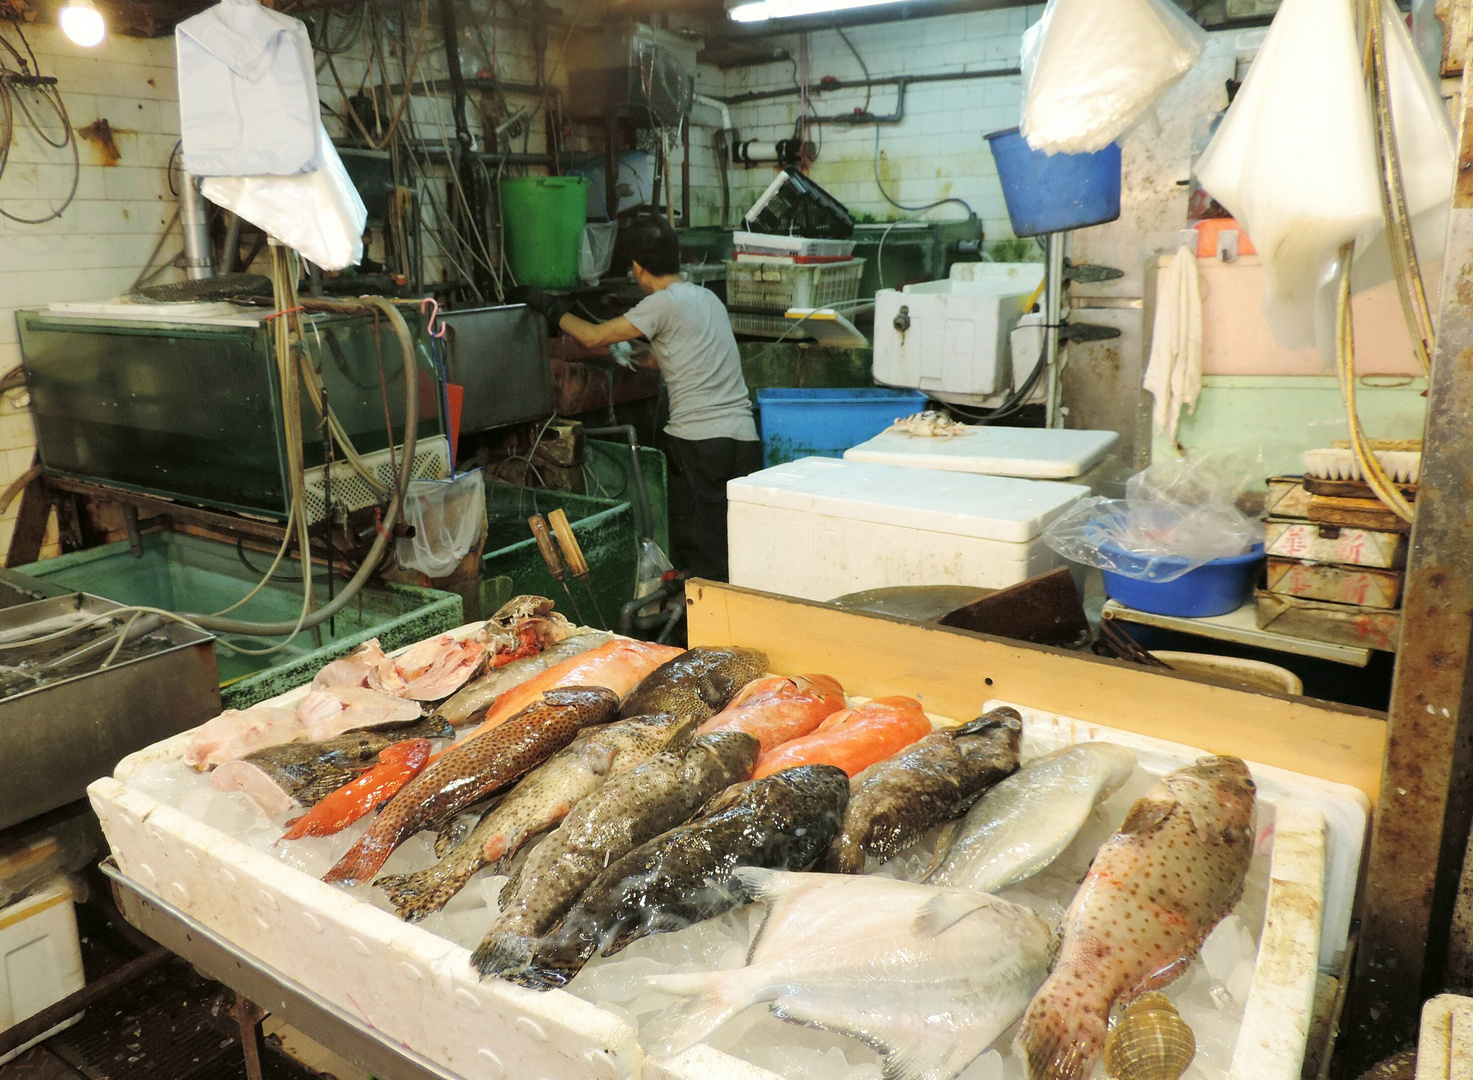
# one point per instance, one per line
(596, 335)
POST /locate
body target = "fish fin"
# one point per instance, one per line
(682, 734)
(911, 1051)
(714, 998)
(945, 841)
(364, 859)
(947, 908)
(1147, 812)
(416, 895)
(1061, 1043)
(501, 953)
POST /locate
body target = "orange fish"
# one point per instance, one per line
(778, 709)
(618, 666)
(853, 739)
(397, 765)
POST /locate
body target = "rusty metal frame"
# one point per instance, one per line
(1422, 821)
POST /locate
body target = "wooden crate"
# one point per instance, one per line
(1287, 498)
(1361, 586)
(1293, 539)
(1338, 624)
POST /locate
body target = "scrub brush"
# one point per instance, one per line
(1401, 458)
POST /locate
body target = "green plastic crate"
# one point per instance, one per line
(183, 573)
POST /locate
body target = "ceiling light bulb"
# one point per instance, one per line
(82, 22)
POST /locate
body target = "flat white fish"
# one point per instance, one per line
(236, 732)
(1026, 821)
(929, 977)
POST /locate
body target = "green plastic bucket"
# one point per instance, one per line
(544, 218)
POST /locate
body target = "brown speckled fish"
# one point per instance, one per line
(541, 800)
(927, 783)
(474, 769)
(1153, 894)
(699, 682)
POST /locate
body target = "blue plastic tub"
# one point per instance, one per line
(1055, 193)
(824, 423)
(1214, 588)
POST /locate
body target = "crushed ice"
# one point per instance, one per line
(1210, 996)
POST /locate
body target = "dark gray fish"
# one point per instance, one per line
(929, 782)
(699, 682)
(623, 813)
(307, 772)
(785, 821)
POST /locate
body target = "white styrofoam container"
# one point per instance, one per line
(821, 527)
(420, 989)
(951, 337)
(1032, 453)
(42, 958)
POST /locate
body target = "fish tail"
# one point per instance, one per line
(365, 858)
(503, 952)
(416, 895)
(1059, 1040)
(846, 855)
(714, 998)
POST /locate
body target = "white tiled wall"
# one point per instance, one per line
(936, 151)
(98, 245)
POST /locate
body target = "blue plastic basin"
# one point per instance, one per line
(1055, 193)
(1214, 588)
(824, 423)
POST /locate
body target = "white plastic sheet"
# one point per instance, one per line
(1295, 161)
(1093, 68)
(319, 213)
(247, 92)
(449, 519)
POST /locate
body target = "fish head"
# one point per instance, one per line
(999, 731)
(718, 674)
(1218, 791)
(826, 784)
(732, 753)
(824, 686)
(585, 705)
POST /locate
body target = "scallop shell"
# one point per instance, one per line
(1150, 1042)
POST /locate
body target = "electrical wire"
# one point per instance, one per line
(16, 77)
(912, 209)
(868, 89)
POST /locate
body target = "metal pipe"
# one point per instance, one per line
(40, 1023)
(1053, 308)
(861, 84)
(135, 534)
(641, 493)
(685, 173)
(192, 219)
(231, 250)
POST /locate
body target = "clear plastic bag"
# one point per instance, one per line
(1295, 161)
(319, 213)
(1093, 68)
(449, 519)
(1175, 516)
(654, 564)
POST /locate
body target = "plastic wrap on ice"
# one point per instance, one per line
(1092, 69)
(1175, 517)
(1295, 161)
(318, 213)
(449, 518)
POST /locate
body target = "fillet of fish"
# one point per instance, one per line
(929, 977)
(237, 732)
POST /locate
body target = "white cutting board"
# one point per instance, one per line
(961, 504)
(1037, 453)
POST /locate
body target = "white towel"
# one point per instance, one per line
(1174, 375)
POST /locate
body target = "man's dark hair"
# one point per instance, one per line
(652, 243)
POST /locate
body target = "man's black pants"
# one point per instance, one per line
(699, 470)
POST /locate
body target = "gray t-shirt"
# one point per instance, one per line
(690, 334)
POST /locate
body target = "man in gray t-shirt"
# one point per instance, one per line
(710, 437)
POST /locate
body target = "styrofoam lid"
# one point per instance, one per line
(962, 504)
(1039, 453)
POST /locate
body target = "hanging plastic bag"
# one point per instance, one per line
(1175, 517)
(1093, 68)
(654, 564)
(1295, 162)
(319, 213)
(449, 519)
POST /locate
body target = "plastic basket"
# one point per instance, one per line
(778, 286)
(799, 248)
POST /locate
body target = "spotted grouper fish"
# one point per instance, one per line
(698, 683)
(475, 769)
(1153, 894)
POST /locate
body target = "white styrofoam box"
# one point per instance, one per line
(1444, 1041)
(951, 337)
(420, 988)
(42, 956)
(1035, 453)
(821, 527)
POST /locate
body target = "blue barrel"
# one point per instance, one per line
(1054, 193)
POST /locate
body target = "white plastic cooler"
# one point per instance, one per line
(1036, 453)
(818, 528)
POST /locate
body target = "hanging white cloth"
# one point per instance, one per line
(1174, 374)
(247, 92)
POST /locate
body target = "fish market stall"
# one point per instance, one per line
(192, 854)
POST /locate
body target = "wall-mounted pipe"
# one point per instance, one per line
(197, 262)
(829, 85)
